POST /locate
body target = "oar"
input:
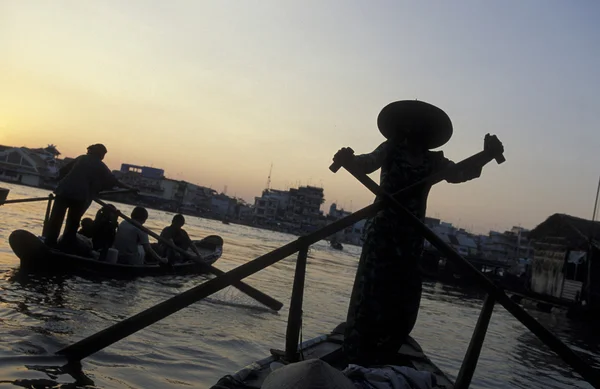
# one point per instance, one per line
(27, 200)
(32, 199)
(121, 330)
(247, 289)
(579, 365)
(116, 192)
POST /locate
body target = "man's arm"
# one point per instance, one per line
(471, 167)
(143, 240)
(120, 184)
(364, 163)
(149, 250)
(110, 181)
(192, 245)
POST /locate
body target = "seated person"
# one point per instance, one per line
(105, 228)
(132, 243)
(179, 237)
(87, 227)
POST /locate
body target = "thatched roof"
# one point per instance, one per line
(576, 231)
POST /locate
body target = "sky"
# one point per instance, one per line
(214, 92)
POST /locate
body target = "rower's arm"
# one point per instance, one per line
(471, 167)
(110, 181)
(465, 170)
(195, 250)
(368, 163)
(148, 249)
(191, 244)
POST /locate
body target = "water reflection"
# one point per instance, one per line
(56, 376)
(531, 354)
(46, 290)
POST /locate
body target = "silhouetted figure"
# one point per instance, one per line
(87, 227)
(132, 243)
(178, 236)
(80, 181)
(105, 229)
(387, 289)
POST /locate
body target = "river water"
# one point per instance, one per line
(219, 335)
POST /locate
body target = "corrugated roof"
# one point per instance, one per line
(575, 230)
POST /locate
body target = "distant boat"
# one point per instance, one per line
(336, 245)
(36, 257)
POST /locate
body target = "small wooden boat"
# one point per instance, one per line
(35, 256)
(328, 348)
(336, 245)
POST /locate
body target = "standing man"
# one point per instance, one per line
(387, 289)
(80, 181)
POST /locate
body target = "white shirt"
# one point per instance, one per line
(127, 241)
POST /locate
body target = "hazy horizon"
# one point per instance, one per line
(214, 92)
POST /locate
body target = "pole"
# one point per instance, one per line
(295, 315)
(467, 369)
(596, 202)
(47, 217)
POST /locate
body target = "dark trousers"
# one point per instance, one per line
(386, 296)
(59, 209)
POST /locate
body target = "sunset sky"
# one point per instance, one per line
(214, 91)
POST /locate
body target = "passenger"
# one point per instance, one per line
(132, 243)
(387, 289)
(80, 181)
(83, 243)
(87, 227)
(105, 229)
(179, 237)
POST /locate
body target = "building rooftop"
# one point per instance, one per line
(575, 230)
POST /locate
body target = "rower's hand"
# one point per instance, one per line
(492, 145)
(344, 156)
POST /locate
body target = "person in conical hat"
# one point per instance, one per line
(387, 289)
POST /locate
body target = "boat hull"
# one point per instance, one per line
(328, 348)
(36, 257)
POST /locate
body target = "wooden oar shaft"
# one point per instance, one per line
(243, 287)
(32, 199)
(115, 192)
(587, 372)
(28, 200)
(121, 330)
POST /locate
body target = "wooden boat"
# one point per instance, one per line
(35, 256)
(328, 348)
(336, 245)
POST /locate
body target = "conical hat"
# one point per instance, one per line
(433, 124)
(309, 374)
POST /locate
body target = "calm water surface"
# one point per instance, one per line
(216, 336)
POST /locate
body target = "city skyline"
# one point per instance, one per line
(215, 92)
